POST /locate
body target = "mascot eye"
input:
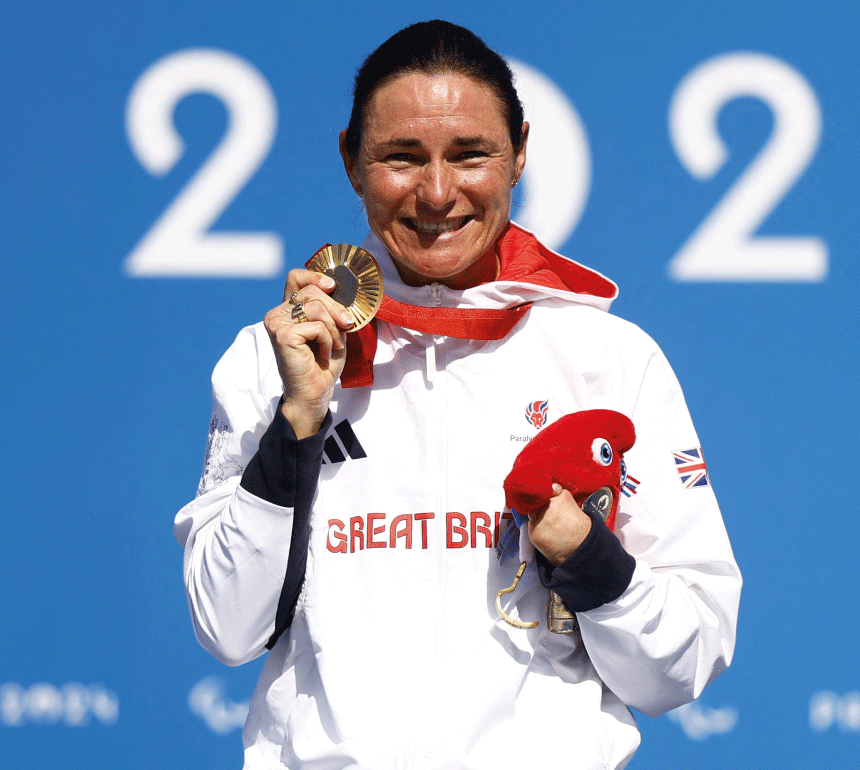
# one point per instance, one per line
(601, 451)
(623, 472)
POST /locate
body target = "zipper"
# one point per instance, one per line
(438, 389)
(430, 361)
(409, 753)
(437, 424)
(440, 393)
(430, 350)
(437, 393)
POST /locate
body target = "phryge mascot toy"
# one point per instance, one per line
(584, 453)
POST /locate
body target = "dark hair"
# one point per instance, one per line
(434, 47)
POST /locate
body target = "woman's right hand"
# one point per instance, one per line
(310, 355)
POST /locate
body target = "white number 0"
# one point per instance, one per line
(558, 173)
(179, 243)
(723, 248)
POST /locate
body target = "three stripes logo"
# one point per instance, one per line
(341, 444)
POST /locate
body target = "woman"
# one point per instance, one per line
(379, 487)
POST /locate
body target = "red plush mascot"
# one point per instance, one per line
(584, 453)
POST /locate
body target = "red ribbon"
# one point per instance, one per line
(464, 323)
(522, 258)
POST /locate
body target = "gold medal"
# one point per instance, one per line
(357, 277)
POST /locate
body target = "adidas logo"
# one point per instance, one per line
(335, 451)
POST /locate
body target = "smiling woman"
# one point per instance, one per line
(435, 168)
(355, 532)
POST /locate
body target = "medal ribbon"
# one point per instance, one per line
(464, 323)
(522, 258)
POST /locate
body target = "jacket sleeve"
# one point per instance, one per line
(672, 629)
(245, 535)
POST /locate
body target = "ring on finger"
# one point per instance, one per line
(292, 299)
(298, 313)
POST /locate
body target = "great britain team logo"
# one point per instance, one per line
(691, 467)
(536, 413)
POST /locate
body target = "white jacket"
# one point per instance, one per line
(396, 657)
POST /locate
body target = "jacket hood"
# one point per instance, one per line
(530, 272)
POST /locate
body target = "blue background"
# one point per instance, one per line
(105, 392)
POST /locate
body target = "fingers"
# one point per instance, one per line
(291, 338)
(536, 516)
(560, 527)
(309, 347)
(299, 278)
(309, 361)
(310, 344)
(330, 314)
(299, 344)
(308, 290)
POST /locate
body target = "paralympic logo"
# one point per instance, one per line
(699, 721)
(207, 700)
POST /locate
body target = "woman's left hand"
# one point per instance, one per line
(560, 527)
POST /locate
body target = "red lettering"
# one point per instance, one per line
(405, 533)
(500, 517)
(424, 518)
(338, 535)
(483, 528)
(371, 530)
(478, 530)
(456, 529)
(356, 533)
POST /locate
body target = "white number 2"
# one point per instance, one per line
(179, 242)
(724, 248)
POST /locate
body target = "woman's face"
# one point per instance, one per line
(436, 167)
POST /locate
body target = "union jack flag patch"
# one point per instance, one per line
(690, 464)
